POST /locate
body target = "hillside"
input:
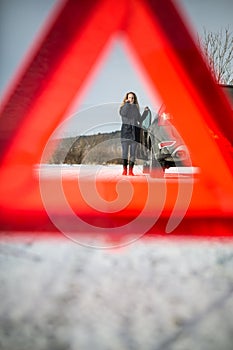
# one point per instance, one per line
(102, 148)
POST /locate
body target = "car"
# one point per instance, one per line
(163, 145)
(228, 90)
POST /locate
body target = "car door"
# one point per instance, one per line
(142, 148)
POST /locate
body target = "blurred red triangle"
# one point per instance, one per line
(60, 67)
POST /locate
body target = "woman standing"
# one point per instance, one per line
(130, 129)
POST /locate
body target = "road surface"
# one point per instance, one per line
(153, 295)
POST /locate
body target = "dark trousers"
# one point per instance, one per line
(128, 150)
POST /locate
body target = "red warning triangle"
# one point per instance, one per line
(60, 68)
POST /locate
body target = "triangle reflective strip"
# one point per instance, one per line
(65, 59)
(177, 71)
(170, 58)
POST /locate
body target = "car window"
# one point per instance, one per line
(147, 121)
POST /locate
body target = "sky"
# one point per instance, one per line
(22, 20)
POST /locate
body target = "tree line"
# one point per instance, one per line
(102, 148)
(217, 49)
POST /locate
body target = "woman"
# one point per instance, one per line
(130, 129)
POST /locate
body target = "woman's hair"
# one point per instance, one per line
(126, 98)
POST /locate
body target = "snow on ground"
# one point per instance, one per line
(51, 170)
(67, 170)
(155, 294)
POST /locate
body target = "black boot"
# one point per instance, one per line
(125, 163)
(131, 165)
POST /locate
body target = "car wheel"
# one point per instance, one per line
(156, 171)
(146, 168)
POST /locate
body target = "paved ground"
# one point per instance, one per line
(152, 294)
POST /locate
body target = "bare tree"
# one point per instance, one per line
(218, 50)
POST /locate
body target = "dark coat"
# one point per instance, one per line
(131, 122)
